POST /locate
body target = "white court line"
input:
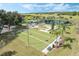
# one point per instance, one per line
(31, 36)
(40, 34)
(36, 39)
(39, 39)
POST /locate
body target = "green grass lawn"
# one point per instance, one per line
(38, 42)
(66, 51)
(37, 39)
(20, 48)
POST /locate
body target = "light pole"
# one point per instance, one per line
(28, 35)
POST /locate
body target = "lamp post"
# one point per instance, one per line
(28, 35)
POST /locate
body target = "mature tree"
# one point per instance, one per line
(10, 18)
(1, 25)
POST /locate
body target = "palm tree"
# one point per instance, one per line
(64, 26)
(61, 29)
(53, 24)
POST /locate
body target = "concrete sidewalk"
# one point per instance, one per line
(50, 46)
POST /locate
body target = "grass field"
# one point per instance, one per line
(37, 39)
(37, 42)
(66, 51)
(20, 48)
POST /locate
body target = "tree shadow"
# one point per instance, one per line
(9, 53)
(67, 46)
(68, 33)
(68, 41)
(71, 40)
(8, 37)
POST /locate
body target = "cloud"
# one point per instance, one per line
(47, 7)
(27, 6)
(37, 6)
(61, 7)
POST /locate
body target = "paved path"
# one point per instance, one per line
(4, 30)
(50, 46)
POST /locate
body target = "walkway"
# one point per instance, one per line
(50, 46)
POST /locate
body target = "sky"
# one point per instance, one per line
(39, 7)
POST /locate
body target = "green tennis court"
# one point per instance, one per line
(37, 39)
